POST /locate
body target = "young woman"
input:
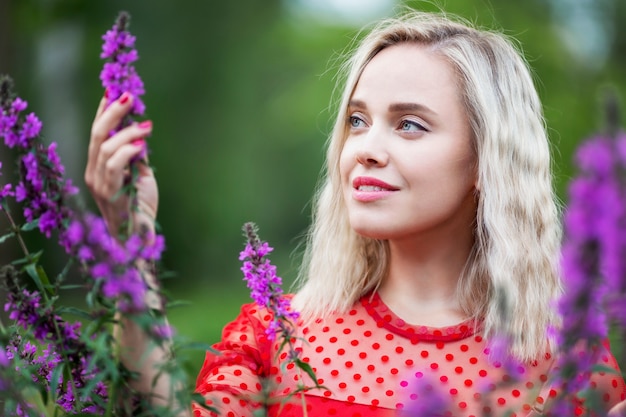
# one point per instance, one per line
(434, 233)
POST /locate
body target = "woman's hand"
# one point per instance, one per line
(107, 167)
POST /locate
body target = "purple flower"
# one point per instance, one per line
(5, 191)
(113, 263)
(19, 105)
(264, 284)
(16, 129)
(118, 74)
(163, 331)
(593, 263)
(30, 128)
(74, 233)
(42, 190)
(54, 335)
(426, 400)
(20, 192)
(101, 270)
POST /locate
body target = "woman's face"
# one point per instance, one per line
(407, 167)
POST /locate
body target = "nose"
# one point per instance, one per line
(372, 150)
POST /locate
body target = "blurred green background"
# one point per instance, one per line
(240, 95)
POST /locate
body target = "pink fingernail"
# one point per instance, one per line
(146, 124)
(124, 98)
(106, 93)
(138, 142)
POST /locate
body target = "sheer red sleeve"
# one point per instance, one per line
(230, 380)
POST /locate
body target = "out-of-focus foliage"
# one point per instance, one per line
(239, 93)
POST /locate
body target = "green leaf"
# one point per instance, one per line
(7, 236)
(38, 274)
(44, 278)
(87, 415)
(43, 392)
(56, 377)
(177, 303)
(75, 312)
(71, 287)
(27, 227)
(306, 368)
(604, 368)
(95, 326)
(196, 346)
(31, 269)
(64, 272)
(201, 401)
(20, 261)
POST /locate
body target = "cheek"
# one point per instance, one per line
(346, 163)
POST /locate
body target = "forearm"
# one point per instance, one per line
(144, 356)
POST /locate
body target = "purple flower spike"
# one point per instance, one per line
(118, 73)
(112, 262)
(42, 187)
(264, 284)
(593, 262)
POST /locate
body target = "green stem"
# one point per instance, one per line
(132, 198)
(110, 404)
(302, 399)
(18, 233)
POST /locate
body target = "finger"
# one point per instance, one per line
(109, 119)
(113, 168)
(132, 133)
(101, 106)
(98, 154)
(89, 166)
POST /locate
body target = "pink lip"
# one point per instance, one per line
(366, 196)
(374, 182)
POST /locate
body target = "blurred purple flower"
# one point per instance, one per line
(593, 263)
(29, 311)
(425, 399)
(111, 262)
(163, 331)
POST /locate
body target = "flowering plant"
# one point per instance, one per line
(55, 358)
(593, 263)
(265, 289)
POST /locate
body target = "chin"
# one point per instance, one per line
(371, 231)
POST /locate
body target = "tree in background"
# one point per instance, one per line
(239, 94)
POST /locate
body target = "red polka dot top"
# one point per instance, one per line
(370, 363)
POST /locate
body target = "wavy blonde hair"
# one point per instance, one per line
(514, 261)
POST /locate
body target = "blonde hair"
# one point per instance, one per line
(517, 234)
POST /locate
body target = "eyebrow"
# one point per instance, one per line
(397, 107)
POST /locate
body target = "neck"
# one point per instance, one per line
(421, 284)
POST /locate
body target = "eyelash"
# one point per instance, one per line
(419, 126)
(355, 119)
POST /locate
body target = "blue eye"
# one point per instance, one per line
(411, 126)
(355, 121)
